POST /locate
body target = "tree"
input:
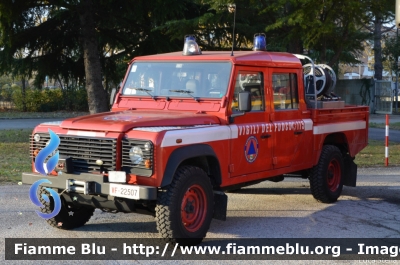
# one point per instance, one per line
(378, 13)
(329, 30)
(391, 52)
(212, 23)
(80, 40)
(97, 96)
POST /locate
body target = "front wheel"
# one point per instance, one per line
(69, 217)
(326, 178)
(185, 207)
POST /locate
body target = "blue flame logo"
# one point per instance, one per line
(40, 166)
(33, 196)
(45, 168)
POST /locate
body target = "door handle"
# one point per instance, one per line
(298, 132)
(265, 136)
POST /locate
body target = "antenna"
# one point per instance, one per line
(232, 9)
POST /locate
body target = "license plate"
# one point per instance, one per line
(124, 191)
(117, 176)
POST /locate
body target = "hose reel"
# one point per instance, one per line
(325, 79)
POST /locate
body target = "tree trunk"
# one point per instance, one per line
(334, 62)
(295, 46)
(378, 68)
(23, 88)
(97, 96)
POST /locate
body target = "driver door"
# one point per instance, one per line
(252, 149)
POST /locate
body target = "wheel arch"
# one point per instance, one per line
(200, 155)
(339, 140)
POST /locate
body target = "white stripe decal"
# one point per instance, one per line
(199, 135)
(308, 123)
(55, 123)
(340, 127)
(86, 133)
(167, 128)
(234, 131)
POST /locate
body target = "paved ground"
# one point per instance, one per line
(381, 118)
(379, 134)
(266, 210)
(23, 123)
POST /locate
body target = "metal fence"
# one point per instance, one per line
(383, 97)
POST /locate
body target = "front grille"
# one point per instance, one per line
(84, 151)
(138, 169)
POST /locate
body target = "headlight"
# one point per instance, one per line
(136, 155)
(147, 146)
(36, 137)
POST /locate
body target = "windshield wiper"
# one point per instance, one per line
(145, 90)
(186, 92)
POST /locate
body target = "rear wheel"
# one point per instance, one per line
(326, 178)
(185, 207)
(69, 217)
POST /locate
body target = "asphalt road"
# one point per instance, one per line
(22, 123)
(379, 134)
(266, 210)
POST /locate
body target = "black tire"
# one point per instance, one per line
(326, 178)
(185, 207)
(69, 217)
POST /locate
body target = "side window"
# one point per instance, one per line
(253, 82)
(285, 91)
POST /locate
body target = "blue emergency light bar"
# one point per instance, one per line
(190, 46)
(259, 42)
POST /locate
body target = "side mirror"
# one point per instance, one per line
(244, 105)
(244, 101)
(112, 96)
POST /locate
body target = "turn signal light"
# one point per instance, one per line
(35, 152)
(147, 163)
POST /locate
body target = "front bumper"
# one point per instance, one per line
(87, 184)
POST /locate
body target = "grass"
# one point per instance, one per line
(14, 157)
(374, 154)
(10, 114)
(393, 126)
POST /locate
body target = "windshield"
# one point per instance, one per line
(178, 79)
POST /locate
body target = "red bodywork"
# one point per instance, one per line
(280, 141)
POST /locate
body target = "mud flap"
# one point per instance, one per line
(220, 205)
(350, 172)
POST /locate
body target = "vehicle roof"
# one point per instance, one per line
(253, 58)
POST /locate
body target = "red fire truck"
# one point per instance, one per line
(187, 126)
